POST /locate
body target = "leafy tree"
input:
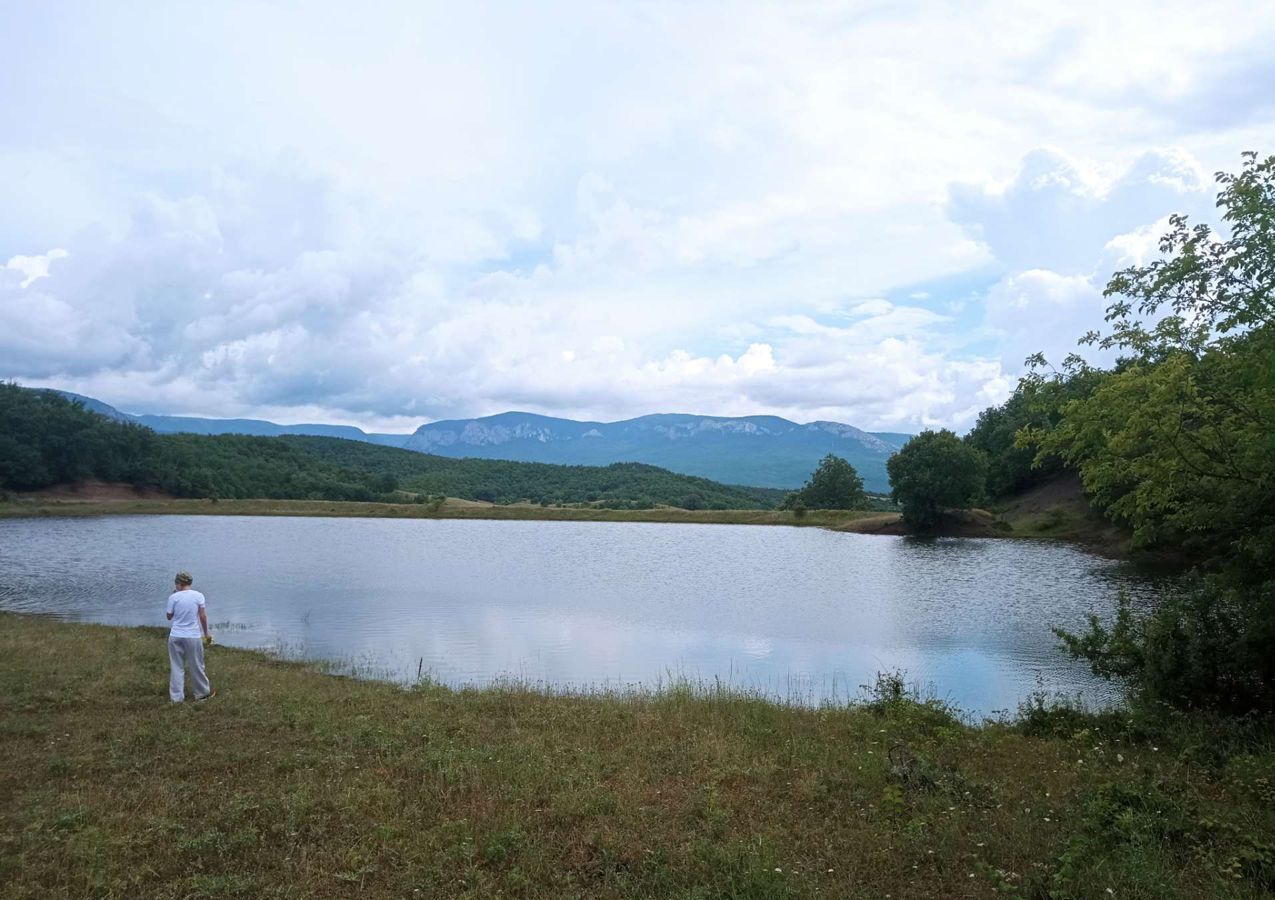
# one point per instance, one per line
(935, 471)
(21, 465)
(1010, 467)
(1178, 443)
(1036, 405)
(834, 485)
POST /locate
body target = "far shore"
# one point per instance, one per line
(1056, 510)
(68, 505)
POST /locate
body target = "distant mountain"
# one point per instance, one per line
(766, 451)
(97, 406)
(894, 438)
(260, 427)
(763, 451)
(48, 439)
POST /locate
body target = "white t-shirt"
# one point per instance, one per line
(185, 606)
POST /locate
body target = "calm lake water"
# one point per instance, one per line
(801, 614)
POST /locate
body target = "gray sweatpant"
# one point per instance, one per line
(184, 651)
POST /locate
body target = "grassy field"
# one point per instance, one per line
(452, 509)
(293, 783)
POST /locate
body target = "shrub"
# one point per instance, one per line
(1208, 644)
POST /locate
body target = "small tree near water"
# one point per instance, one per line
(834, 485)
(933, 472)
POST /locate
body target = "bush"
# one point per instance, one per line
(1208, 644)
(1131, 830)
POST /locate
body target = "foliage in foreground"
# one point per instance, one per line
(293, 783)
(1178, 444)
(1208, 644)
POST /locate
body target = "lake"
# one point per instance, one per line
(801, 614)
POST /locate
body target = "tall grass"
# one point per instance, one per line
(294, 783)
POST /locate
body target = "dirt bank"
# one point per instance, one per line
(1057, 509)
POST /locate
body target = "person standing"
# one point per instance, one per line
(186, 640)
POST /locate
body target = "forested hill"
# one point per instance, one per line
(761, 450)
(47, 439)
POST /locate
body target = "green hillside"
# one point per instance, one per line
(47, 439)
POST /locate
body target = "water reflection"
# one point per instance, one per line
(802, 614)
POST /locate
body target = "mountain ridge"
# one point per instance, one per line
(767, 451)
(762, 450)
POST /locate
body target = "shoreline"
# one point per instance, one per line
(292, 782)
(453, 509)
(697, 687)
(1073, 524)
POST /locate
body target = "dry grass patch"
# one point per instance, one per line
(39, 505)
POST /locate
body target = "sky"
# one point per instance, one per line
(386, 213)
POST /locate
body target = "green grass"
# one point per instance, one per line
(292, 783)
(451, 510)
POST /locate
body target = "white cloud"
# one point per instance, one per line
(1043, 311)
(34, 267)
(1058, 213)
(1137, 247)
(1058, 230)
(407, 212)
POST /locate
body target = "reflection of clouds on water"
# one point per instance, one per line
(801, 614)
(757, 648)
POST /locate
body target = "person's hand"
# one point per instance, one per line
(208, 640)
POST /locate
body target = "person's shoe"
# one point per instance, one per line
(209, 695)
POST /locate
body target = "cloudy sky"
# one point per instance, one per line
(387, 213)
